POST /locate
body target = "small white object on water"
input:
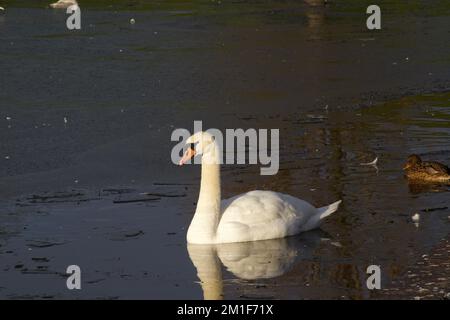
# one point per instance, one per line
(2, 9)
(76, 181)
(336, 244)
(7, 157)
(416, 217)
(8, 118)
(132, 21)
(372, 163)
(65, 119)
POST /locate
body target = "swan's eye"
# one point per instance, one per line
(195, 146)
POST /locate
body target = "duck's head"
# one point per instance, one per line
(201, 143)
(412, 161)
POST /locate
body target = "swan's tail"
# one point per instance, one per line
(327, 210)
(315, 220)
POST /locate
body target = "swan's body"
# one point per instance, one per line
(263, 215)
(63, 4)
(255, 215)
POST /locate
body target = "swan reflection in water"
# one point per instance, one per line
(250, 260)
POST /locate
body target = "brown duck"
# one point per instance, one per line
(431, 171)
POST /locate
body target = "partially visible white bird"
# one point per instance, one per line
(63, 4)
(416, 217)
(2, 9)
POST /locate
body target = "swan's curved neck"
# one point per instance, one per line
(207, 215)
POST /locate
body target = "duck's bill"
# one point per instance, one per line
(189, 154)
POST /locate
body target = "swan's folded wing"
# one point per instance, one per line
(259, 215)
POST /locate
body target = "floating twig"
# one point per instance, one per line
(137, 200)
(434, 209)
(163, 195)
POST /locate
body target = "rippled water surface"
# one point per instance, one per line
(85, 126)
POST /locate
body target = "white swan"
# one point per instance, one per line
(63, 4)
(255, 215)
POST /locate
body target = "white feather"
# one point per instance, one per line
(372, 163)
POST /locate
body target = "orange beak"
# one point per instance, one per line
(190, 153)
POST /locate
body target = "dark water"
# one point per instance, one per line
(339, 94)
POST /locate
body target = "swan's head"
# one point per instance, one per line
(201, 143)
